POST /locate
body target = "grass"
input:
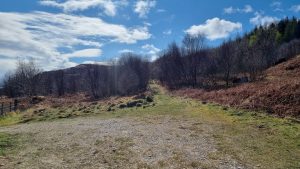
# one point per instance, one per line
(252, 138)
(255, 139)
(8, 143)
(10, 119)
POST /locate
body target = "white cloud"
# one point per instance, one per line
(151, 50)
(126, 51)
(231, 10)
(247, 9)
(214, 28)
(276, 5)
(109, 6)
(259, 19)
(7, 64)
(84, 53)
(167, 32)
(295, 8)
(42, 36)
(96, 62)
(143, 7)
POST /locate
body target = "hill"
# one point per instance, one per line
(278, 93)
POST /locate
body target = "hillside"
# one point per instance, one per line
(278, 93)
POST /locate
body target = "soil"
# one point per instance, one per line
(91, 142)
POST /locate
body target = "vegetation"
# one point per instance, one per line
(235, 61)
(8, 143)
(130, 75)
(250, 137)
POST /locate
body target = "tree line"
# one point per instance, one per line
(243, 59)
(191, 64)
(129, 75)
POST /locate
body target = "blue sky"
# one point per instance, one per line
(63, 33)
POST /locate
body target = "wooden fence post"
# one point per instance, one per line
(15, 105)
(10, 107)
(2, 111)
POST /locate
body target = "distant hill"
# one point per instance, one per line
(71, 80)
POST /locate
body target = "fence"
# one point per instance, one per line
(8, 107)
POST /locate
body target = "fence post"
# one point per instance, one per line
(2, 106)
(10, 107)
(15, 105)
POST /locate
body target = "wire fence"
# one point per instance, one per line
(6, 107)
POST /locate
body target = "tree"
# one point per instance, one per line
(171, 67)
(133, 74)
(23, 80)
(226, 60)
(97, 80)
(193, 50)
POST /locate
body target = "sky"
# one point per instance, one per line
(64, 33)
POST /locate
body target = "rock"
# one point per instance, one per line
(95, 152)
(134, 103)
(149, 99)
(41, 110)
(122, 106)
(110, 109)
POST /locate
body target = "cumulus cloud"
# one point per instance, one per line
(231, 10)
(151, 50)
(295, 8)
(259, 19)
(143, 7)
(214, 28)
(42, 36)
(109, 6)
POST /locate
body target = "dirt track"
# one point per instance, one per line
(148, 142)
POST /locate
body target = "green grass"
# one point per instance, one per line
(253, 138)
(10, 119)
(7, 143)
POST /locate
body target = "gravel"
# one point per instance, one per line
(91, 142)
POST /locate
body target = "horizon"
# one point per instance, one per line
(62, 34)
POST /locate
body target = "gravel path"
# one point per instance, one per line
(148, 142)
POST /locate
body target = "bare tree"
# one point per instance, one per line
(226, 60)
(193, 50)
(133, 74)
(193, 44)
(98, 80)
(23, 80)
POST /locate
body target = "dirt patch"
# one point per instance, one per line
(152, 142)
